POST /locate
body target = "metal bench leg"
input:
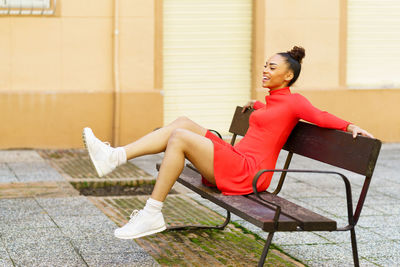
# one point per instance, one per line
(188, 227)
(354, 247)
(265, 250)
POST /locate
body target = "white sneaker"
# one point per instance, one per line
(141, 224)
(100, 153)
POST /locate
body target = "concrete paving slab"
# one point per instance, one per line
(385, 261)
(4, 169)
(377, 201)
(300, 190)
(13, 209)
(34, 221)
(20, 156)
(319, 252)
(8, 179)
(73, 206)
(340, 208)
(39, 176)
(379, 221)
(363, 236)
(390, 233)
(34, 236)
(382, 173)
(148, 163)
(378, 249)
(34, 171)
(40, 246)
(77, 227)
(30, 257)
(28, 167)
(3, 250)
(388, 209)
(63, 232)
(104, 244)
(4, 257)
(383, 183)
(6, 262)
(392, 191)
(138, 259)
(339, 262)
(310, 238)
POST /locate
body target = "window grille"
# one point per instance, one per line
(27, 7)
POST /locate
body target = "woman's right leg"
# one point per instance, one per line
(105, 158)
(156, 141)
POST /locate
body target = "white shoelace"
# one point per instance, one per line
(133, 215)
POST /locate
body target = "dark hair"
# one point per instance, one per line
(294, 58)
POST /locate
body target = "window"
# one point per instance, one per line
(27, 7)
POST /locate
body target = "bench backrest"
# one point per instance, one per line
(330, 146)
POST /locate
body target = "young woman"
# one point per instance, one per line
(230, 168)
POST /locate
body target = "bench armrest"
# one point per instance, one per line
(344, 178)
(216, 132)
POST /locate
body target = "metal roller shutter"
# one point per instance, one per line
(207, 59)
(373, 47)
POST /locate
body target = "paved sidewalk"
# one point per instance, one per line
(44, 222)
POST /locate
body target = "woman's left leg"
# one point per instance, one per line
(182, 144)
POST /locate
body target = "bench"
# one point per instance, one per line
(273, 213)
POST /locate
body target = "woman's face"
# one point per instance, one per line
(276, 73)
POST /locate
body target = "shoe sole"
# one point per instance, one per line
(142, 235)
(99, 172)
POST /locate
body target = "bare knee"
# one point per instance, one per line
(182, 122)
(187, 124)
(177, 138)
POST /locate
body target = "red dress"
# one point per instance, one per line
(270, 126)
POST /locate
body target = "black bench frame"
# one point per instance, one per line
(357, 155)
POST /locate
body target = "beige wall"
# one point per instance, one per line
(57, 72)
(374, 110)
(56, 120)
(313, 24)
(73, 51)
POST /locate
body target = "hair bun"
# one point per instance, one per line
(297, 53)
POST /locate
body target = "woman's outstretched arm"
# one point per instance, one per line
(306, 111)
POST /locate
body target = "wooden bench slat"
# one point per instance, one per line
(242, 206)
(307, 219)
(334, 147)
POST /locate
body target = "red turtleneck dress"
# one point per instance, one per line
(270, 126)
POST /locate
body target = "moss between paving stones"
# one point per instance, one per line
(234, 246)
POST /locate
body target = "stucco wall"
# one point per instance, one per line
(57, 74)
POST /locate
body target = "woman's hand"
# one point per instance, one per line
(355, 130)
(249, 105)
